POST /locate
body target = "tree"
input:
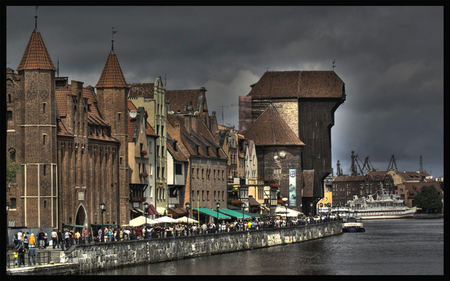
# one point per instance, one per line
(428, 199)
(12, 168)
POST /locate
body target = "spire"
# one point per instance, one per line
(112, 40)
(36, 55)
(35, 20)
(112, 76)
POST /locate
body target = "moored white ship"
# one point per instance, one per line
(385, 206)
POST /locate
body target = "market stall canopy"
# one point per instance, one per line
(185, 219)
(166, 219)
(281, 211)
(141, 221)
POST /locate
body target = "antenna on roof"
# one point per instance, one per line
(35, 18)
(333, 64)
(57, 70)
(112, 39)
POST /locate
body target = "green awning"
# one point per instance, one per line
(75, 225)
(253, 215)
(235, 214)
(212, 213)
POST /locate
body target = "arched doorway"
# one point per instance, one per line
(81, 218)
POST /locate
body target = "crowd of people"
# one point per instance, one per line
(64, 239)
(179, 229)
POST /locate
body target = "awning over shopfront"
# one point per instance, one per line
(152, 210)
(177, 212)
(212, 213)
(234, 213)
(105, 224)
(74, 225)
(252, 201)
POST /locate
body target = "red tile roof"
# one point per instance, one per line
(112, 76)
(62, 131)
(36, 55)
(145, 90)
(270, 129)
(179, 99)
(200, 143)
(298, 84)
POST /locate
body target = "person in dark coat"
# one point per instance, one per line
(32, 255)
(21, 255)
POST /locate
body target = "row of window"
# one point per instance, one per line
(218, 195)
(208, 174)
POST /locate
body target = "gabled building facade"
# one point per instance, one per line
(205, 180)
(177, 164)
(141, 160)
(151, 96)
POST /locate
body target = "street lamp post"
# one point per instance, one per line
(243, 207)
(145, 213)
(217, 208)
(285, 202)
(188, 207)
(103, 209)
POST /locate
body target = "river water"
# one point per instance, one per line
(388, 247)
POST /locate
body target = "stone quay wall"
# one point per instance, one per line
(103, 256)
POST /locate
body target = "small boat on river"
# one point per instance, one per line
(351, 224)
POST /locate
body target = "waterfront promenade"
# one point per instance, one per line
(96, 256)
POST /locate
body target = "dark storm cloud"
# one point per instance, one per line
(390, 58)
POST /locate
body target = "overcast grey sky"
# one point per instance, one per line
(390, 59)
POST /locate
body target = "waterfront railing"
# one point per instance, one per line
(41, 258)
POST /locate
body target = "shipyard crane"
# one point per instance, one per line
(355, 165)
(392, 164)
(369, 165)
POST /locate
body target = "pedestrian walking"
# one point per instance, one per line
(21, 251)
(85, 236)
(16, 240)
(16, 257)
(25, 242)
(63, 240)
(59, 238)
(67, 239)
(77, 237)
(32, 255)
(41, 239)
(54, 236)
(45, 240)
(31, 241)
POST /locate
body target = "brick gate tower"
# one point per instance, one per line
(112, 96)
(35, 135)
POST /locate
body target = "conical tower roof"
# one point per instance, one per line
(271, 129)
(112, 76)
(36, 55)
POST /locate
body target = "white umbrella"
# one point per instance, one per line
(282, 211)
(185, 219)
(166, 219)
(141, 221)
